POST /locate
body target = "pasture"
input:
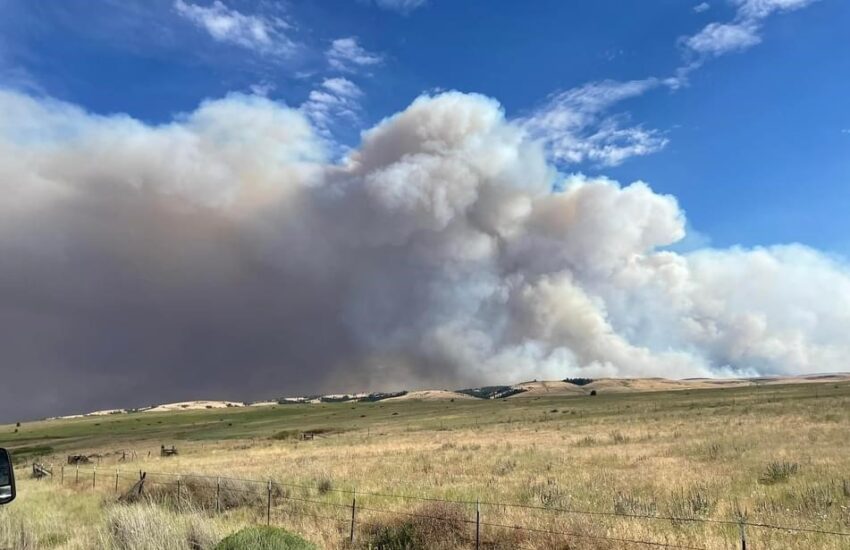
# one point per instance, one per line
(548, 472)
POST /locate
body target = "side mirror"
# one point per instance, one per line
(7, 478)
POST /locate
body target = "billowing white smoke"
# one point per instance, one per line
(224, 253)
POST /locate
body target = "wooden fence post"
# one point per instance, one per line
(477, 524)
(743, 527)
(94, 478)
(62, 478)
(117, 473)
(269, 505)
(353, 508)
(217, 495)
(77, 475)
(178, 491)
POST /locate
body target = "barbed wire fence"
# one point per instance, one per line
(216, 493)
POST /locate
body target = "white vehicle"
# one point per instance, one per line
(7, 478)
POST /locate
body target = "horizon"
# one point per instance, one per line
(397, 392)
(241, 198)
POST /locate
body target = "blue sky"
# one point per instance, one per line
(752, 135)
(169, 208)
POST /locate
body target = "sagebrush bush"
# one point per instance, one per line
(324, 485)
(201, 493)
(550, 495)
(631, 504)
(435, 526)
(778, 472)
(693, 503)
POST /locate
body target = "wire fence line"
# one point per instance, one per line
(225, 483)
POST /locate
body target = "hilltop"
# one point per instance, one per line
(568, 387)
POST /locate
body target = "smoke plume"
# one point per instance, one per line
(225, 254)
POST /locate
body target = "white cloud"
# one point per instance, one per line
(611, 144)
(401, 6)
(759, 9)
(575, 127)
(254, 32)
(721, 38)
(262, 88)
(743, 32)
(342, 87)
(335, 101)
(347, 55)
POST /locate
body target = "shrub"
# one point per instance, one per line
(264, 538)
(504, 467)
(690, 504)
(435, 526)
(627, 503)
(324, 486)
(148, 526)
(778, 472)
(197, 492)
(550, 494)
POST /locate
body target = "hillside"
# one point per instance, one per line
(535, 388)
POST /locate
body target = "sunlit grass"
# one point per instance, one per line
(691, 455)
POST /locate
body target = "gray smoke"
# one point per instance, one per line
(224, 255)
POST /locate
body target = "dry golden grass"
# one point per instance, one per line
(700, 455)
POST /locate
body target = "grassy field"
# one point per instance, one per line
(778, 454)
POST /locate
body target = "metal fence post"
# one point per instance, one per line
(743, 527)
(477, 524)
(217, 495)
(62, 478)
(94, 478)
(117, 473)
(77, 475)
(353, 508)
(269, 505)
(178, 491)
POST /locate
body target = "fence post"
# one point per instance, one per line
(477, 524)
(62, 478)
(217, 495)
(743, 527)
(77, 475)
(117, 473)
(269, 505)
(94, 478)
(178, 491)
(353, 508)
